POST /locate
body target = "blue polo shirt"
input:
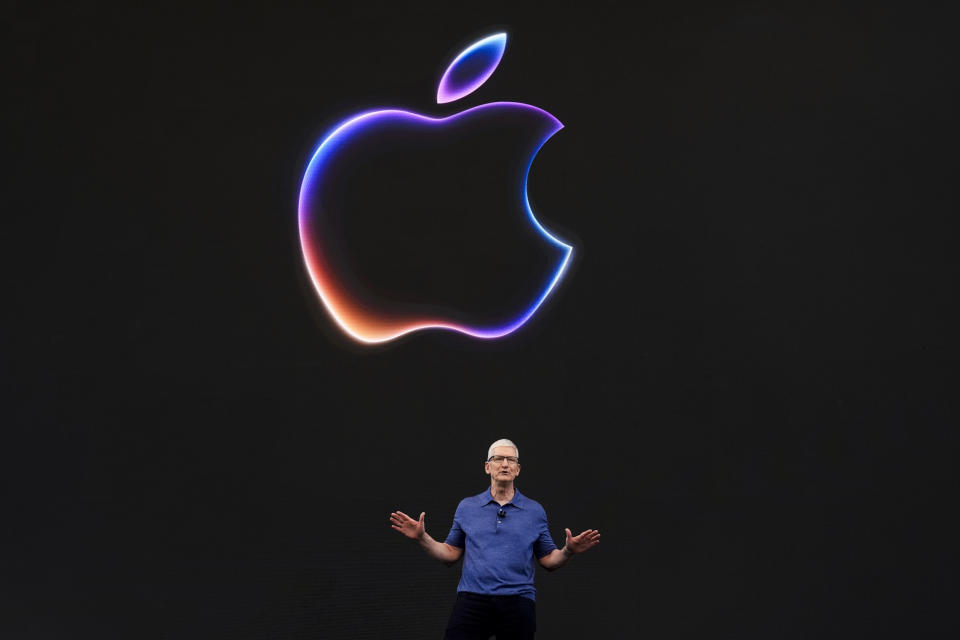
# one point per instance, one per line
(498, 557)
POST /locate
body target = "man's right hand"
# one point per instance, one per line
(414, 529)
(406, 525)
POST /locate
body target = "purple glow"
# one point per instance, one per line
(471, 68)
(361, 323)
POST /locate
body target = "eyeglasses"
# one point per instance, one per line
(500, 459)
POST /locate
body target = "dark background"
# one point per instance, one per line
(747, 383)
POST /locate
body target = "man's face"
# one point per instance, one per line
(503, 470)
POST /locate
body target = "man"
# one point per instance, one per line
(499, 533)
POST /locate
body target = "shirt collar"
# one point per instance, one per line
(485, 498)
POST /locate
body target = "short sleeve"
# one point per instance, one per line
(456, 537)
(544, 544)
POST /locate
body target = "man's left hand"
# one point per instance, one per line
(582, 542)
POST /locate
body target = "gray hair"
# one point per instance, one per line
(502, 442)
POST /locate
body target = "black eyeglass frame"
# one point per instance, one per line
(511, 459)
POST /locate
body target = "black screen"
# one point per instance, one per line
(746, 381)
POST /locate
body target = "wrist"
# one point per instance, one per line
(566, 552)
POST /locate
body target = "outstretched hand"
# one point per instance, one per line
(582, 542)
(406, 525)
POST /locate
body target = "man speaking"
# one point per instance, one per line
(499, 532)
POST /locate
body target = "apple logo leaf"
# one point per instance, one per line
(471, 68)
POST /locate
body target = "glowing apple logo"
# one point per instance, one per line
(346, 150)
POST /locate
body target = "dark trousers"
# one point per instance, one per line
(477, 617)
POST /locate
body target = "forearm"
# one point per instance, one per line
(440, 550)
(555, 559)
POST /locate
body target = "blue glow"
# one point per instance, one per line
(460, 78)
(352, 318)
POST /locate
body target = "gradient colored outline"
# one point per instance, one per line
(492, 46)
(351, 317)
